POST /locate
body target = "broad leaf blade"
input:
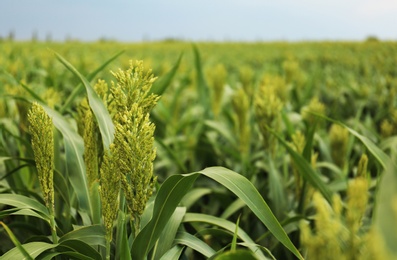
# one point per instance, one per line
(385, 208)
(166, 239)
(122, 246)
(173, 253)
(16, 242)
(194, 243)
(83, 250)
(167, 199)
(92, 235)
(22, 202)
(34, 249)
(225, 224)
(246, 191)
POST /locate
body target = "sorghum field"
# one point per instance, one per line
(173, 150)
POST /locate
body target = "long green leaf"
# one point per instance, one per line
(32, 93)
(22, 202)
(202, 87)
(233, 208)
(29, 212)
(174, 253)
(225, 224)
(307, 171)
(105, 123)
(92, 235)
(385, 208)
(61, 187)
(236, 255)
(234, 241)
(381, 156)
(34, 249)
(122, 246)
(16, 242)
(74, 149)
(246, 191)
(166, 239)
(82, 248)
(194, 243)
(76, 91)
(193, 195)
(167, 199)
(176, 186)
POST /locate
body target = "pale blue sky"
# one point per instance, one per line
(217, 20)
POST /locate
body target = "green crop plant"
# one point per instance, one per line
(41, 130)
(134, 174)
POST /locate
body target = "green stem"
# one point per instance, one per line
(108, 249)
(53, 228)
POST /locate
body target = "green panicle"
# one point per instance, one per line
(109, 190)
(277, 85)
(293, 73)
(41, 130)
(133, 149)
(386, 128)
(267, 110)
(217, 79)
(314, 107)
(133, 87)
(298, 144)
(246, 77)
(362, 166)
(339, 137)
(91, 155)
(241, 107)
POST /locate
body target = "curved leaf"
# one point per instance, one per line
(76, 91)
(176, 186)
(122, 245)
(193, 195)
(167, 199)
(225, 224)
(381, 156)
(34, 249)
(105, 123)
(22, 202)
(246, 191)
(16, 242)
(202, 87)
(84, 250)
(236, 255)
(173, 253)
(92, 235)
(166, 239)
(306, 170)
(194, 243)
(233, 208)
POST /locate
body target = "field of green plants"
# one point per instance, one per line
(172, 150)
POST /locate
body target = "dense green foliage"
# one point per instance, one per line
(305, 135)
